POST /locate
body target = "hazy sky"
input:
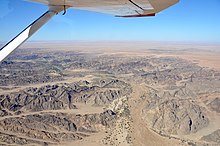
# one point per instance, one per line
(189, 20)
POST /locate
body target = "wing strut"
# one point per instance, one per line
(28, 32)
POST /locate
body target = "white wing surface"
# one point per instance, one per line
(124, 8)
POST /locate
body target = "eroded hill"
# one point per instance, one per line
(65, 98)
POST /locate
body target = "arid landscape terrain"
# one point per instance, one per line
(111, 94)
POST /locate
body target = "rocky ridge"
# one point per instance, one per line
(45, 114)
(27, 117)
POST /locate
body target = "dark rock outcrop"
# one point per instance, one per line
(175, 116)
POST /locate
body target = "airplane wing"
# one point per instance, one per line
(120, 8)
(123, 8)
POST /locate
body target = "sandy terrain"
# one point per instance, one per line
(130, 129)
(141, 133)
(205, 54)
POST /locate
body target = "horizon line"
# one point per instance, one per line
(112, 41)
